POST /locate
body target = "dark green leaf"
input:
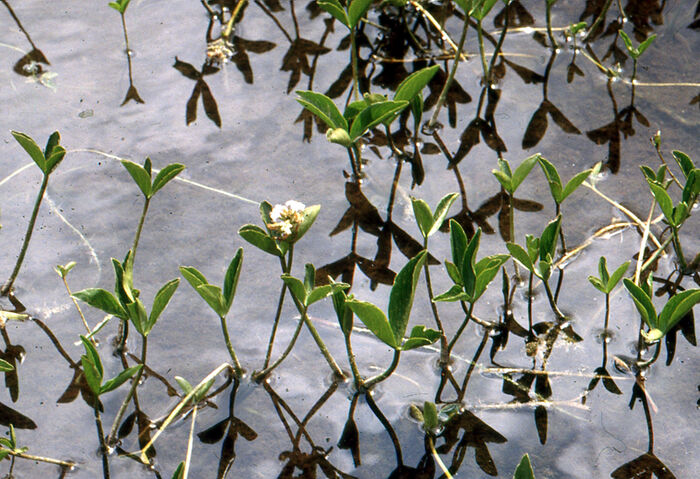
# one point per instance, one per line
(441, 212)
(296, 287)
(552, 175)
(453, 272)
(617, 275)
(574, 183)
(120, 379)
(373, 115)
(93, 357)
(5, 366)
(343, 312)
(548, 240)
(357, 10)
(323, 107)
(645, 44)
(524, 469)
(468, 262)
(684, 162)
(455, 293)
(413, 84)
(259, 238)
(603, 271)
(179, 471)
(677, 307)
(165, 175)
(643, 303)
(458, 244)
(193, 276)
(309, 277)
(336, 9)
(92, 375)
(523, 170)
(184, 384)
(420, 336)
(138, 316)
(402, 293)
(375, 320)
(32, 148)
(598, 284)
(161, 300)
(430, 417)
(424, 217)
(140, 176)
(103, 300)
(231, 279)
(664, 200)
(520, 255)
(212, 295)
(310, 214)
(54, 159)
(486, 270)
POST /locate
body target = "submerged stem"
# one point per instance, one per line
(237, 369)
(27, 236)
(553, 302)
(382, 376)
(103, 445)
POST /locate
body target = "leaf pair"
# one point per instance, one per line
(559, 191)
(349, 16)
(635, 53)
(120, 5)
(540, 252)
(471, 278)
(9, 444)
(391, 331)
(511, 180)
(197, 394)
(142, 175)
(606, 282)
(305, 292)
(476, 8)
(220, 301)
(673, 311)
(273, 244)
(46, 160)
(430, 222)
(94, 371)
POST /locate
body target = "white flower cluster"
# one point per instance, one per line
(286, 218)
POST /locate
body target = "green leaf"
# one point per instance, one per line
(5, 366)
(643, 303)
(692, 187)
(373, 115)
(138, 316)
(628, 43)
(430, 417)
(420, 336)
(193, 276)
(664, 200)
(310, 214)
(455, 293)
(32, 148)
(482, 8)
(102, 300)
(92, 375)
(179, 471)
(523, 170)
(414, 83)
(260, 239)
(184, 384)
(548, 240)
(318, 294)
(57, 155)
(342, 311)
(212, 295)
(231, 279)
(524, 469)
(140, 176)
(357, 10)
(552, 175)
(201, 391)
(63, 270)
(336, 9)
(649, 174)
(296, 287)
(441, 212)
(574, 183)
(465, 5)
(322, 106)
(677, 307)
(161, 300)
(680, 214)
(603, 271)
(458, 244)
(454, 273)
(417, 109)
(402, 293)
(93, 357)
(309, 277)
(520, 255)
(424, 217)
(375, 320)
(645, 44)
(617, 275)
(504, 180)
(544, 269)
(165, 175)
(120, 379)
(51, 143)
(598, 284)
(468, 262)
(684, 162)
(486, 270)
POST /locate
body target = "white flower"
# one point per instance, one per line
(286, 218)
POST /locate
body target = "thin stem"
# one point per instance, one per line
(607, 314)
(77, 306)
(229, 26)
(237, 369)
(598, 20)
(529, 302)
(139, 228)
(552, 301)
(652, 360)
(499, 45)
(353, 59)
(643, 243)
(451, 76)
(27, 236)
(484, 67)
(460, 330)
(111, 440)
(358, 159)
(444, 356)
(357, 379)
(30, 457)
(552, 41)
(286, 268)
(382, 376)
(436, 456)
(188, 456)
(261, 374)
(679, 249)
(103, 445)
(321, 345)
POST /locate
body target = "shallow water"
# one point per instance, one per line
(92, 207)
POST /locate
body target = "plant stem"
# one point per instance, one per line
(188, 456)
(451, 76)
(552, 41)
(482, 53)
(552, 302)
(679, 249)
(652, 360)
(444, 350)
(286, 268)
(103, 445)
(229, 26)
(357, 379)
(111, 440)
(48, 460)
(460, 330)
(382, 376)
(27, 236)
(237, 370)
(353, 59)
(319, 342)
(435, 454)
(138, 230)
(598, 20)
(261, 374)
